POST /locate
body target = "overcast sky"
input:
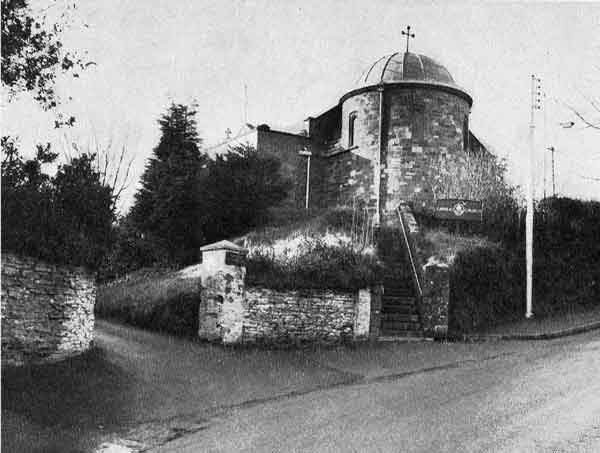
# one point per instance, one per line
(298, 57)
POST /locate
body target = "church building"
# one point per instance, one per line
(376, 145)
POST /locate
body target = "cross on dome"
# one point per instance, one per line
(408, 35)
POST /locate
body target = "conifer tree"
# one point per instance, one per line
(168, 207)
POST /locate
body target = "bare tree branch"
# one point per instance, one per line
(582, 118)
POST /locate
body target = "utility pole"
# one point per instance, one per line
(552, 149)
(545, 140)
(305, 152)
(535, 105)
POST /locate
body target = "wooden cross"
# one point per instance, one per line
(408, 36)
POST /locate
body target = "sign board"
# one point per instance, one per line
(456, 209)
(235, 259)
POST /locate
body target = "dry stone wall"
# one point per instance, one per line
(47, 311)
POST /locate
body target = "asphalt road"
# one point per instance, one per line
(543, 396)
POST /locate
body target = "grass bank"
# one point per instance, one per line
(155, 299)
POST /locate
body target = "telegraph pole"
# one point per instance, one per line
(535, 105)
(306, 153)
(552, 149)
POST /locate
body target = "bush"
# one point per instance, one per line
(488, 283)
(566, 255)
(486, 288)
(316, 266)
(161, 302)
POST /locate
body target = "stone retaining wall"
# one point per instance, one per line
(297, 316)
(232, 313)
(47, 311)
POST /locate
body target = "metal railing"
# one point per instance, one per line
(410, 255)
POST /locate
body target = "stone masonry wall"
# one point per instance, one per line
(349, 171)
(285, 147)
(422, 125)
(47, 311)
(343, 177)
(297, 316)
(231, 313)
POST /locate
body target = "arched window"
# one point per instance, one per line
(351, 121)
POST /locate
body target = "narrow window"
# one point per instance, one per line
(418, 123)
(351, 121)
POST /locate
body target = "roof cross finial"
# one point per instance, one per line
(408, 36)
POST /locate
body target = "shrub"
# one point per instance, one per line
(486, 288)
(317, 266)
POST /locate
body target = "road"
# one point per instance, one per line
(168, 394)
(542, 396)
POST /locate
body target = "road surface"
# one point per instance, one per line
(540, 396)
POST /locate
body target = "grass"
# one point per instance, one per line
(315, 266)
(288, 223)
(314, 249)
(444, 245)
(159, 300)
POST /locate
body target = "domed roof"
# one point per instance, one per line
(406, 67)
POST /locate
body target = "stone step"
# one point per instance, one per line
(401, 317)
(396, 335)
(398, 292)
(398, 300)
(399, 309)
(399, 325)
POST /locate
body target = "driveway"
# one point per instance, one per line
(158, 390)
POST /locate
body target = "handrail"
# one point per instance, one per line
(410, 256)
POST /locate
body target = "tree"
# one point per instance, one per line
(84, 209)
(478, 177)
(27, 197)
(66, 218)
(114, 166)
(240, 188)
(169, 206)
(33, 55)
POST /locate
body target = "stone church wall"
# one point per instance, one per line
(286, 147)
(47, 311)
(412, 147)
(344, 176)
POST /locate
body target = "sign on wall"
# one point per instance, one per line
(457, 209)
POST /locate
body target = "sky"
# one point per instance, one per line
(297, 58)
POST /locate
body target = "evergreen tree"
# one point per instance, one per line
(168, 209)
(240, 188)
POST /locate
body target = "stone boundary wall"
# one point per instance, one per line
(231, 313)
(298, 316)
(47, 311)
